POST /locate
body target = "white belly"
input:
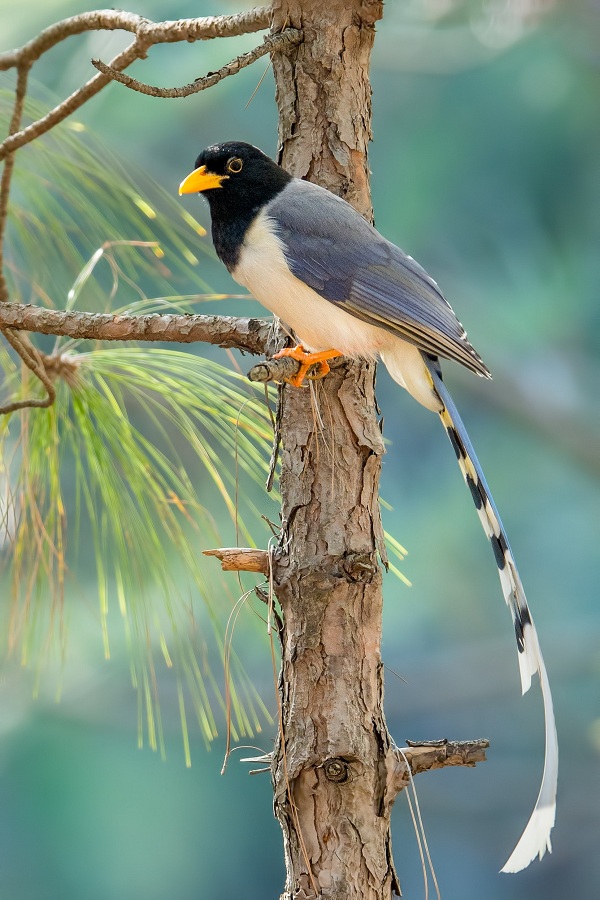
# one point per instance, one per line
(320, 324)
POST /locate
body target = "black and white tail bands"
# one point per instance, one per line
(535, 840)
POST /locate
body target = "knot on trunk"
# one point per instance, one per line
(360, 567)
(336, 770)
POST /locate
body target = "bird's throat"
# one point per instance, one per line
(228, 236)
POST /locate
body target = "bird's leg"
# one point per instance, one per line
(307, 360)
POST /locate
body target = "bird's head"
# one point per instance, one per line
(235, 173)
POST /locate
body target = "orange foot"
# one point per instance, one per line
(307, 360)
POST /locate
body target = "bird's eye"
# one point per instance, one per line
(234, 165)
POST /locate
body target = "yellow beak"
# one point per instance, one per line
(201, 180)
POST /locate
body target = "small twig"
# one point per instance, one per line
(427, 755)
(288, 38)
(274, 370)
(247, 334)
(265, 758)
(27, 352)
(241, 559)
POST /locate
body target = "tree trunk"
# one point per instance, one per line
(334, 771)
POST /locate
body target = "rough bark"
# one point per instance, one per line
(334, 789)
(324, 94)
(334, 771)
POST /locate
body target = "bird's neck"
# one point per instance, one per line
(228, 232)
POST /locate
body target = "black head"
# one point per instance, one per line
(238, 180)
(235, 174)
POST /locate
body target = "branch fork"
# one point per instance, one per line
(284, 41)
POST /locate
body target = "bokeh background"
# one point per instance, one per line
(486, 169)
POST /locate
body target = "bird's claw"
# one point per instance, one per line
(307, 360)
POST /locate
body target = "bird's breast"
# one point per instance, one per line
(318, 323)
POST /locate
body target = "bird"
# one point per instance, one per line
(311, 259)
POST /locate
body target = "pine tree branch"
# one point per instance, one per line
(247, 334)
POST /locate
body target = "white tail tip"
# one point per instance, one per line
(534, 841)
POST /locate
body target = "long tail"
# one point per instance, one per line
(535, 840)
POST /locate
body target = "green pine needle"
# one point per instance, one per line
(143, 510)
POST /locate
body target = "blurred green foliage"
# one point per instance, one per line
(485, 168)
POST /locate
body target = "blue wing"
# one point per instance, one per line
(331, 248)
